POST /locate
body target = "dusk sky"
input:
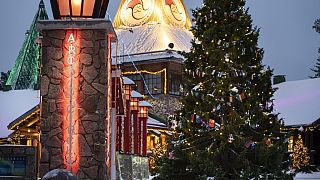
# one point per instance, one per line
(286, 35)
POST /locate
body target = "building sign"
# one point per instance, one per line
(12, 166)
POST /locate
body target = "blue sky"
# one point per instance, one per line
(286, 35)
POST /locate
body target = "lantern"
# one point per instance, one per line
(134, 104)
(127, 87)
(143, 109)
(79, 8)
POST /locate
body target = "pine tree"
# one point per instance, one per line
(300, 156)
(229, 130)
(316, 68)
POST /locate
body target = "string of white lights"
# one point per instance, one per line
(134, 65)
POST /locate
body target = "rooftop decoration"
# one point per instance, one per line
(25, 73)
(138, 12)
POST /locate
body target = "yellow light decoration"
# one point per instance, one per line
(150, 72)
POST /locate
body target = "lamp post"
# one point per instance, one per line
(127, 120)
(134, 107)
(73, 73)
(79, 8)
(143, 116)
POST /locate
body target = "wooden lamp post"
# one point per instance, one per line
(143, 116)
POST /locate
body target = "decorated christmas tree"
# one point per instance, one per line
(316, 68)
(228, 128)
(300, 156)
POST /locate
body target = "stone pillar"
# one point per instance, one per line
(89, 87)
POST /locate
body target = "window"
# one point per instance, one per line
(153, 81)
(175, 82)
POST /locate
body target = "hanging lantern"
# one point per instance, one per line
(143, 109)
(79, 8)
(134, 103)
(127, 87)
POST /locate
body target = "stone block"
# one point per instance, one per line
(56, 162)
(53, 142)
(87, 51)
(56, 151)
(61, 34)
(100, 87)
(87, 34)
(45, 81)
(54, 91)
(87, 89)
(84, 149)
(85, 59)
(89, 104)
(44, 155)
(54, 53)
(89, 73)
(89, 126)
(92, 172)
(85, 43)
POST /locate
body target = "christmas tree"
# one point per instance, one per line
(300, 157)
(228, 128)
(316, 68)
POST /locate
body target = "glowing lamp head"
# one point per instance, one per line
(143, 109)
(79, 8)
(127, 87)
(134, 103)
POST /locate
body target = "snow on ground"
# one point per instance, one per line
(298, 101)
(13, 104)
(314, 175)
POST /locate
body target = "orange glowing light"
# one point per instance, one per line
(71, 44)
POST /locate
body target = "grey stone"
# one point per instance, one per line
(54, 53)
(53, 42)
(56, 161)
(85, 43)
(56, 74)
(86, 34)
(57, 34)
(56, 151)
(99, 137)
(100, 87)
(89, 104)
(44, 168)
(55, 81)
(84, 149)
(54, 132)
(85, 59)
(44, 155)
(54, 142)
(96, 61)
(100, 35)
(54, 91)
(87, 50)
(92, 172)
(45, 81)
(88, 89)
(89, 73)
(57, 64)
(56, 120)
(90, 126)
(52, 105)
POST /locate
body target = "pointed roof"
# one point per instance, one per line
(149, 26)
(24, 74)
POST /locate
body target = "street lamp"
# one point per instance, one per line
(127, 87)
(143, 116)
(134, 104)
(79, 8)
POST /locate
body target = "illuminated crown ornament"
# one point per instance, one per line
(133, 13)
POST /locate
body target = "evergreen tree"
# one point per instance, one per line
(316, 68)
(229, 130)
(300, 156)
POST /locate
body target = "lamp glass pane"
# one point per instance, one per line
(64, 7)
(76, 7)
(88, 7)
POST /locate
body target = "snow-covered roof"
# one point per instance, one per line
(136, 94)
(298, 101)
(145, 104)
(153, 123)
(127, 81)
(152, 37)
(13, 104)
(155, 56)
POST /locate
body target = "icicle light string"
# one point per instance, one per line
(135, 67)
